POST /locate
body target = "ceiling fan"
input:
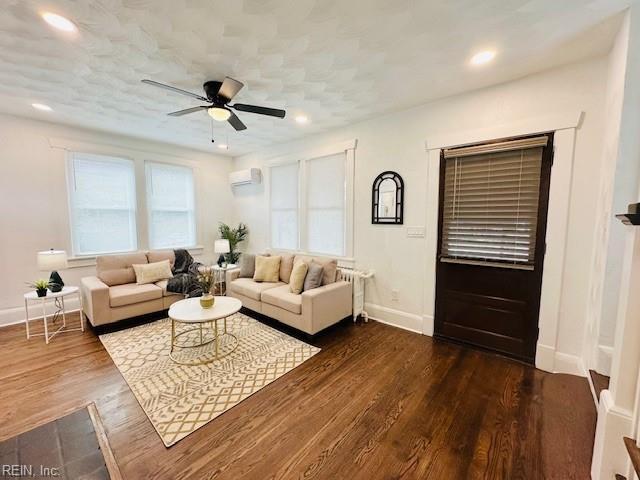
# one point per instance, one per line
(218, 95)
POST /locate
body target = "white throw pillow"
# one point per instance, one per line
(152, 272)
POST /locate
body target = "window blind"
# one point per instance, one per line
(490, 206)
(325, 205)
(284, 206)
(170, 205)
(102, 200)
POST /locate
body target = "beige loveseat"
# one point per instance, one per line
(113, 294)
(310, 311)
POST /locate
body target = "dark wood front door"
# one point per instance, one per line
(493, 302)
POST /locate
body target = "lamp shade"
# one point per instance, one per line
(49, 260)
(222, 246)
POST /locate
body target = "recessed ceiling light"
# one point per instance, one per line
(223, 146)
(302, 119)
(41, 106)
(59, 22)
(483, 57)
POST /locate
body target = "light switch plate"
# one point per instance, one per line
(415, 232)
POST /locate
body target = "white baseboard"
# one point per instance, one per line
(545, 357)
(550, 360)
(395, 318)
(603, 360)
(566, 363)
(427, 325)
(13, 315)
(609, 457)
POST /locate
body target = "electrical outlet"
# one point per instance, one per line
(395, 295)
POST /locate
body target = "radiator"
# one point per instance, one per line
(358, 279)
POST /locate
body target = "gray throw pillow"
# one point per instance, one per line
(314, 277)
(247, 265)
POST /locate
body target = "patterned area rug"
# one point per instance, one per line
(180, 399)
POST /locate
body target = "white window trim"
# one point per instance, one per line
(348, 148)
(138, 156)
(70, 174)
(147, 193)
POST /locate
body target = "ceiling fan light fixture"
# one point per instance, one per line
(219, 114)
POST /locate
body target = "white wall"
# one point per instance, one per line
(397, 141)
(33, 197)
(619, 406)
(613, 196)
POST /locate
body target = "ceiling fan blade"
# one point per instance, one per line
(229, 88)
(273, 112)
(174, 89)
(236, 122)
(186, 111)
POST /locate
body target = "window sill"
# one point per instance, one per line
(90, 260)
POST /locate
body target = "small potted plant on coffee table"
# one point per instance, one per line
(206, 279)
(40, 286)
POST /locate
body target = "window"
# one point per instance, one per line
(284, 206)
(309, 203)
(491, 198)
(102, 197)
(325, 205)
(170, 203)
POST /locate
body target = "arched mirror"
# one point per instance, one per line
(387, 199)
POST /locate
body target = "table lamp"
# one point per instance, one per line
(53, 260)
(222, 246)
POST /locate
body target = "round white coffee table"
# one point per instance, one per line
(189, 312)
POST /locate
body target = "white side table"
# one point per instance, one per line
(219, 277)
(58, 298)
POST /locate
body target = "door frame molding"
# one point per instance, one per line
(564, 127)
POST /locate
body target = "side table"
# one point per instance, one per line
(58, 298)
(219, 285)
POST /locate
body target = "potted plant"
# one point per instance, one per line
(206, 280)
(235, 236)
(40, 286)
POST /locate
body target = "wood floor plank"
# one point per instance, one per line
(376, 402)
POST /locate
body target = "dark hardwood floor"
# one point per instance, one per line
(600, 382)
(377, 402)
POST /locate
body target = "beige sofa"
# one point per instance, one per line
(113, 294)
(311, 311)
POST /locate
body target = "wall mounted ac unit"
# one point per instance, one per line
(245, 177)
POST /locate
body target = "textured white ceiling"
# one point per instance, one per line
(338, 61)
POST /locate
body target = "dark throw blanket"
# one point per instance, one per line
(185, 274)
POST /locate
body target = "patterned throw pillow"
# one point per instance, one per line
(152, 272)
(314, 277)
(298, 274)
